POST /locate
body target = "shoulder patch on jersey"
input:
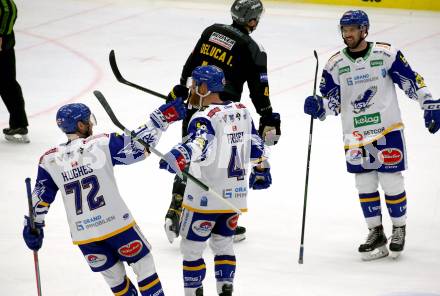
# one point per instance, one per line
(212, 112)
(334, 56)
(52, 150)
(240, 106)
(383, 43)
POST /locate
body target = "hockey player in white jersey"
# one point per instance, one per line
(359, 84)
(100, 222)
(221, 145)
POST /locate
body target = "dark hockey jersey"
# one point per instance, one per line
(230, 48)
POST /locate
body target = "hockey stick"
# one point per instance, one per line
(301, 249)
(31, 219)
(116, 122)
(121, 79)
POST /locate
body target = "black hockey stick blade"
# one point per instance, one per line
(108, 109)
(121, 79)
(115, 68)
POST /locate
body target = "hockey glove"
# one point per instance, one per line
(260, 178)
(33, 238)
(178, 91)
(314, 107)
(270, 128)
(176, 160)
(168, 113)
(432, 115)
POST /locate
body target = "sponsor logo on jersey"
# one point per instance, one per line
(349, 81)
(79, 226)
(358, 135)
(263, 77)
(204, 201)
(131, 249)
(354, 156)
(361, 135)
(213, 111)
(364, 78)
(222, 40)
(190, 197)
(96, 260)
(227, 193)
(240, 106)
(126, 216)
(390, 156)
(368, 119)
(343, 70)
(240, 192)
(202, 227)
(384, 73)
(362, 103)
(376, 63)
(92, 222)
(232, 222)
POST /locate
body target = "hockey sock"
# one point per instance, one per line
(396, 205)
(151, 286)
(193, 273)
(125, 289)
(370, 203)
(224, 270)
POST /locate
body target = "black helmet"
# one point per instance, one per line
(243, 11)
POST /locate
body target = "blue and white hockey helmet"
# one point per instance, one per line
(211, 75)
(355, 17)
(69, 115)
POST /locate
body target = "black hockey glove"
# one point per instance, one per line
(270, 128)
(178, 91)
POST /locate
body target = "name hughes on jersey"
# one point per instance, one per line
(77, 172)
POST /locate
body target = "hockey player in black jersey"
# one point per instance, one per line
(230, 48)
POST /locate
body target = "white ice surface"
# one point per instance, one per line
(62, 56)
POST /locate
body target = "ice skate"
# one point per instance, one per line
(226, 290)
(16, 135)
(397, 241)
(376, 245)
(239, 234)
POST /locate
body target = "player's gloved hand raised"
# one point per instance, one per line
(178, 91)
(260, 178)
(168, 113)
(177, 159)
(432, 115)
(315, 107)
(33, 239)
(270, 128)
